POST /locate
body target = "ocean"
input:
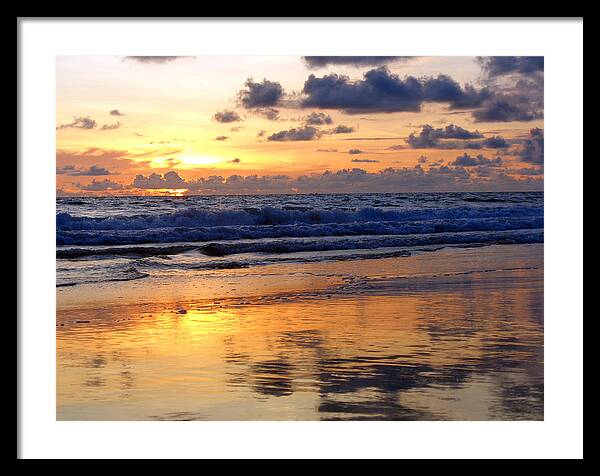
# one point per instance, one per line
(104, 239)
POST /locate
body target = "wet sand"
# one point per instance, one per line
(455, 334)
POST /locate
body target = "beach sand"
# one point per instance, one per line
(452, 334)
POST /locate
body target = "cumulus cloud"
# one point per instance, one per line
(155, 59)
(221, 138)
(100, 186)
(116, 112)
(504, 65)
(80, 122)
(296, 134)
(227, 117)
(156, 181)
(446, 138)
(93, 170)
(380, 90)
(435, 178)
(508, 108)
(532, 150)
(467, 160)
(318, 119)
(431, 137)
(323, 61)
(260, 94)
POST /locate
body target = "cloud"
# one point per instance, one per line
(221, 138)
(226, 117)
(355, 151)
(430, 137)
(110, 127)
(235, 161)
(93, 170)
(236, 129)
(154, 59)
(116, 112)
(318, 119)
(101, 186)
(323, 61)
(466, 160)
(530, 171)
(327, 150)
(341, 129)
(383, 91)
(423, 159)
(257, 95)
(495, 66)
(156, 181)
(80, 123)
(269, 113)
(533, 147)
(508, 108)
(438, 178)
(300, 134)
(365, 160)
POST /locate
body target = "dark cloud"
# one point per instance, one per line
(365, 160)
(470, 98)
(257, 95)
(92, 171)
(504, 65)
(532, 150)
(221, 138)
(110, 127)
(530, 171)
(429, 137)
(80, 123)
(383, 91)
(155, 59)
(300, 134)
(116, 112)
(508, 108)
(438, 178)
(423, 159)
(235, 161)
(341, 129)
(318, 119)
(467, 160)
(355, 151)
(227, 117)
(101, 186)
(322, 61)
(156, 181)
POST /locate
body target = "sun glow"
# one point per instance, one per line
(191, 161)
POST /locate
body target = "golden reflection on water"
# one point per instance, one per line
(468, 350)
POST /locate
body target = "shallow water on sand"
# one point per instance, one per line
(449, 335)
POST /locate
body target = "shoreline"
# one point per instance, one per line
(455, 334)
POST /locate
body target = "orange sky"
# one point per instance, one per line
(120, 117)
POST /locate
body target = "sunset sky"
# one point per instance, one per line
(283, 124)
